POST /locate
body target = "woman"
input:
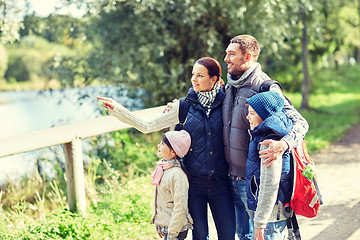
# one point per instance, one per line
(205, 160)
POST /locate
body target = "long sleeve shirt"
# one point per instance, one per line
(266, 210)
(148, 124)
(300, 125)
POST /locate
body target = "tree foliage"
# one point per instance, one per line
(9, 21)
(62, 29)
(152, 45)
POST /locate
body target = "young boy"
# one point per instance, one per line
(266, 200)
(171, 215)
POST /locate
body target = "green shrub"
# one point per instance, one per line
(129, 151)
(123, 211)
(25, 65)
(28, 58)
(62, 225)
(17, 70)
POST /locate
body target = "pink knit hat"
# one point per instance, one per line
(180, 141)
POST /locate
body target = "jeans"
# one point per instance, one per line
(243, 223)
(273, 230)
(181, 236)
(215, 191)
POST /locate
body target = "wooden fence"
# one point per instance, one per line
(70, 135)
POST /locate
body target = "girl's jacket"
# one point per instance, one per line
(171, 201)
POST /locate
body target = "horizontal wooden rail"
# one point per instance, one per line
(66, 133)
(70, 135)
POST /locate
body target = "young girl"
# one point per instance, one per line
(171, 215)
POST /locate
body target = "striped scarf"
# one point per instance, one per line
(206, 99)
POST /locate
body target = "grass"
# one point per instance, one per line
(119, 194)
(335, 106)
(337, 114)
(119, 202)
(123, 211)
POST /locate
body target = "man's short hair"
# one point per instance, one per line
(247, 44)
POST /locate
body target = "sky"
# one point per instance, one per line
(43, 8)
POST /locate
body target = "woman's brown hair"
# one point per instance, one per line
(213, 67)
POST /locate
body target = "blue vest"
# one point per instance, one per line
(206, 154)
(274, 127)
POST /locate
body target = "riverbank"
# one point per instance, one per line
(30, 85)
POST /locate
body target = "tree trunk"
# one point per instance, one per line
(357, 56)
(357, 53)
(306, 86)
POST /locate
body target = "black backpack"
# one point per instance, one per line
(183, 110)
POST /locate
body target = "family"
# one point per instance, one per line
(234, 137)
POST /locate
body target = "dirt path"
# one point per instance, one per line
(338, 177)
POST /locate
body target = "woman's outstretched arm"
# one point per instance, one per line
(156, 122)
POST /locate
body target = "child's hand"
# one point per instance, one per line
(259, 233)
(160, 234)
(109, 103)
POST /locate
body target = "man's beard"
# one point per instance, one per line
(237, 76)
(234, 77)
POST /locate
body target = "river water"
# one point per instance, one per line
(25, 111)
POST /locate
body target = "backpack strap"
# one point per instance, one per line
(293, 228)
(265, 86)
(183, 110)
(318, 191)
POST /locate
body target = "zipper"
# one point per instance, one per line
(253, 181)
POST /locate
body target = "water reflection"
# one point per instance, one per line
(26, 111)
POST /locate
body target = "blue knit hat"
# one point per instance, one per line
(266, 104)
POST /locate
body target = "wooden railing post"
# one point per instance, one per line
(70, 177)
(75, 176)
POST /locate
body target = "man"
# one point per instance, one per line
(245, 78)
